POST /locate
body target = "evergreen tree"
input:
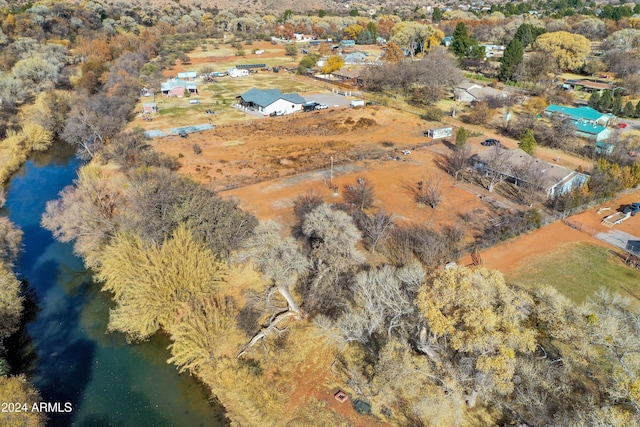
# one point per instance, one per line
(527, 34)
(437, 15)
(638, 109)
(605, 101)
(462, 43)
(461, 138)
(527, 141)
(594, 101)
(513, 55)
(617, 104)
(628, 111)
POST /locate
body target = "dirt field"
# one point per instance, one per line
(274, 160)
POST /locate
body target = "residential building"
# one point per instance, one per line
(557, 179)
(354, 58)
(587, 85)
(589, 123)
(177, 87)
(470, 92)
(271, 101)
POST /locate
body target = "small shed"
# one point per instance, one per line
(149, 108)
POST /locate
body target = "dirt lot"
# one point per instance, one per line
(274, 160)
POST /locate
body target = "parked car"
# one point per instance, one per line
(621, 125)
(322, 107)
(490, 142)
(183, 134)
(633, 209)
(406, 152)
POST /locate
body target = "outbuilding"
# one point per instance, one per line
(149, 107)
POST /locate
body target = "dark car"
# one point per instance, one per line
(183, 134)
(490, 142)
(633, 209)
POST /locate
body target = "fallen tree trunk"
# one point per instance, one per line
(265, 332)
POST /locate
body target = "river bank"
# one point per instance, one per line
(107, 381)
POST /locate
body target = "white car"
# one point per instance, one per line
(406, 152)
(321, 106)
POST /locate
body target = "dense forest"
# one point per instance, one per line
(247, 303)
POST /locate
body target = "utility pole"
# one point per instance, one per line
(331, 174)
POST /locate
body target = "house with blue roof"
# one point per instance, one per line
(270, 101)
(589, 123)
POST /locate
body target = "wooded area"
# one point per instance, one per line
(246, 303)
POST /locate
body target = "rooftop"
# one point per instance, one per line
(174, 83)
(267, 97)
(517, 159)
(576, 113)
(587, 127)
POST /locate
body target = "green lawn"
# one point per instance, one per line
(578, 270)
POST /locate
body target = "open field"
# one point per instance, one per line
(578, 269)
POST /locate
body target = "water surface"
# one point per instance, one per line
(107, 381)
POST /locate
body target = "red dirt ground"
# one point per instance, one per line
(509, 256)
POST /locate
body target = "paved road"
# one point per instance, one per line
(618, 238)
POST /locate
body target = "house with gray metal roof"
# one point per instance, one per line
(556, 180)
(270, 101)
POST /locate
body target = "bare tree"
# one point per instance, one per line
(457, 160)
(496, 166)
(281, 263)
(530, 180)
(376, 228)
(382, 298)
(427, 191)
(331, 238)
(359, 195)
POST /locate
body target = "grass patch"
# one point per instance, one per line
(578, 270)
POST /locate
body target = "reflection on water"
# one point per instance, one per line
(108, 382)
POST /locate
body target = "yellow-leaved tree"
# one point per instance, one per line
(17, 389)
(476, 316)
(333, 63)
(568, 50)
(150, 285)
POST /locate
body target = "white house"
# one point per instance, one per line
(271, 101)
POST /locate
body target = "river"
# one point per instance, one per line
(107, 381)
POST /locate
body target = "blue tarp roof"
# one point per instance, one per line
(267, 97)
